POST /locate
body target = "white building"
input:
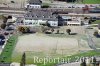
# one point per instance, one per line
(33, 4)
(72, 20)
(39, 22)
(33, 22)
(38, 18)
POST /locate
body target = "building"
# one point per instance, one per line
(72, 20)
(33, 4)
(4, 64)
(38, 18)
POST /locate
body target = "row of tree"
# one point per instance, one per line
(67, 30)
(43, 29)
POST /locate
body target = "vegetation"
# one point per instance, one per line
(68, 31)
(3, 18)
(45, 6)
(23, 29)
(23, 60)
(91, 1)
(95, 33)
(3, 26)
(72, 58)
(9, 17)
(5, 56)
(57, 31)
(96, 22)
(52, 30)
(7, 52)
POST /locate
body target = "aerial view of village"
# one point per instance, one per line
(49, 32)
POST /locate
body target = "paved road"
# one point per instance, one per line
(70, 64)
(12, 11)
(52, 10)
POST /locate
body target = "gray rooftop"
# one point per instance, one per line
(44, 15)
(5, 64)
(35, 1)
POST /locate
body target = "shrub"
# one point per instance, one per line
(68, 31)
(45, 6)
(3, 26)
(95, 33)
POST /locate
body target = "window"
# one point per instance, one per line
(69, 19)
(26, 23)
(33, 23)
(30, 23)
(54, 23)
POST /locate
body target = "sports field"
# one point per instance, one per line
(53, 44)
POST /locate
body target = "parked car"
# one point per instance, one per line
(6, 33)
(2, 38)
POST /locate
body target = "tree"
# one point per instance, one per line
(3, 26)
(52, 30)
(5, 19)
(86, 18)
(12, 2)
(21, 29)
(57, 31)
(95, 33)
(45, 6)
(9, 17)
(44, 29)
(28, 29)
(68, 31)
(23, 60)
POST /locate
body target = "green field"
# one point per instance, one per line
(96, 22)
(91, 1)
(30, 60)
(5, 56)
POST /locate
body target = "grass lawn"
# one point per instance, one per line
(92, 1)
(96, 22)
(72, 58)
(5, 56)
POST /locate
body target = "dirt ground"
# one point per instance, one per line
(42, 43)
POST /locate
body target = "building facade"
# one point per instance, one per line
(38, 18)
